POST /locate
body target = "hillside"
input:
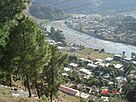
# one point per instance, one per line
(44, 11)
(106, 5)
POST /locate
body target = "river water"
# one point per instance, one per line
(73, 36)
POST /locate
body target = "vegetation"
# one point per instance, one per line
(117, 28)
(89, 53)
(6, 96)
(45, 11)
(52, 74)
(130, 91)
(25, 55)
(56, 35)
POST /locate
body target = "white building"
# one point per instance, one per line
(73, 64)
(118, 66)
(87, 72)
(67, 69)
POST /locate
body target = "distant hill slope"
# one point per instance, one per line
(103, 6)
(42, 10)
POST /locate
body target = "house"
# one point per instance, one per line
(105, 99)
(88, 89)
(102, 64)
(121, 79)
(118, 66)
(69, 91)
(66, 69)
(73, 64)
(106, 76)
(117, 57)
(127, 59)
(60, 48)
(105, 92)
(64, 74)
(86, 60)
(99, 60)
(82, 95)
(85, 71)
(108, 64)
(52, 42)
(74, 49)
(92, 66)
(109, 59)
(134, 63)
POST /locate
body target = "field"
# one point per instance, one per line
(89, 53)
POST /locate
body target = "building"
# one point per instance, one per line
(91, 66)
(108, 59)
(69, 91)
(118, 66)
(117, 57)
(85, 71)
(73, 65)
(66, 69)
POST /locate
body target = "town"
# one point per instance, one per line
(116, 27)
(94, 78)
(67, 51)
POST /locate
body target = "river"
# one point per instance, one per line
(73, 36)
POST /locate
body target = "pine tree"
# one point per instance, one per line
(9, 10)
(33, 51)
(41, 59)
(53, 73)
(26, 52)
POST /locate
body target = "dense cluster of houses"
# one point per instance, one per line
(101, 69)
(85, 69)
(107, 27)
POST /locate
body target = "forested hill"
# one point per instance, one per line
(105, 5)
(45, 11)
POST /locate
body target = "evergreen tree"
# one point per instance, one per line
(53, 73)
(130, 92)
(26, 51)
(9, 10)
(41, 59)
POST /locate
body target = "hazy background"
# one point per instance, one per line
(108, 5)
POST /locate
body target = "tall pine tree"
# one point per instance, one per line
(53, 73)
(9, 10)
(26, 52)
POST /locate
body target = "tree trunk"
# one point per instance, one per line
(52, 72)
(37, 88)
(28, 85)
(10, 80)
(51, 96)
(25, 84)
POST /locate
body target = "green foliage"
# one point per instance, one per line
(128, 68)
(53, 72)
(44, 11)
(130, 92)
(10, 9)
(8, 12)
(56, 35)
(24, 53)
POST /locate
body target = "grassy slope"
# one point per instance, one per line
(66, 98)
(85, 53)
(6, 96)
